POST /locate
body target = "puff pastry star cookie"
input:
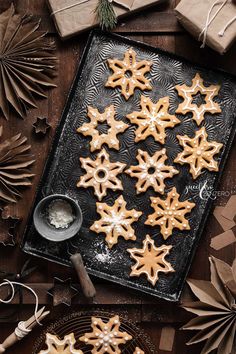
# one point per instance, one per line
(198, 152)
(101, 174)
(116, 221)
(188, 93)
(150, 260)
(138, 351)
(57, 346)
(129, 74)
(151, 171)
(153, 119)
(109, 138)
(170, 213)
(106, 337)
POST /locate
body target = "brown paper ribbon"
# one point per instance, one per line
(127, 4)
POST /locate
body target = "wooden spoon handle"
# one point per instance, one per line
(85, 281)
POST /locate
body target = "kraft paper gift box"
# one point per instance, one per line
(220, 26)
(74, 16)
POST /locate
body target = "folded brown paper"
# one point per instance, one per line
(193, 16)
(229, 211)
(74, 16)
(224, 222)
(167, 338)
(222, 240)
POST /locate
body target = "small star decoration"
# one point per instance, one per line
(62, 291)
(41, 125)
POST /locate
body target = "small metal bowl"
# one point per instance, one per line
(48, 231)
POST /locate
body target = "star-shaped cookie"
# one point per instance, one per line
(169, 213)
(138, 351)
(151, 171)
(150, 260)
(188, 93)
(129, 74)
(57, 346)
(110, 136)
(101, 174)
(198, 152)
(106, 337)
(153, 119)
(116, 221)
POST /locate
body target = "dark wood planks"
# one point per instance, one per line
(157, 27)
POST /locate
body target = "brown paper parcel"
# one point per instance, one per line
(193, 16)
(78, 18)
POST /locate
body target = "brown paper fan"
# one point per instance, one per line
(27, 64)
(215, 310)
(15, 161)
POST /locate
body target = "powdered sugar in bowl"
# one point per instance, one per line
(57, 217)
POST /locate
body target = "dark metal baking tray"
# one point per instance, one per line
(63, 167)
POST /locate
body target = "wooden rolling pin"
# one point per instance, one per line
(27, 325)
(85, 281)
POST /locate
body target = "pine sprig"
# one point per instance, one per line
(106, 14)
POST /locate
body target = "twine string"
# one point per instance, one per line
(229, 23)
(79, 3)
(209, 19)
(21, 331)
(7, 282)
(69, 7)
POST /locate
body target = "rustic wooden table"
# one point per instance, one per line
(157, 27)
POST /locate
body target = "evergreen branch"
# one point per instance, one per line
(106, 14)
